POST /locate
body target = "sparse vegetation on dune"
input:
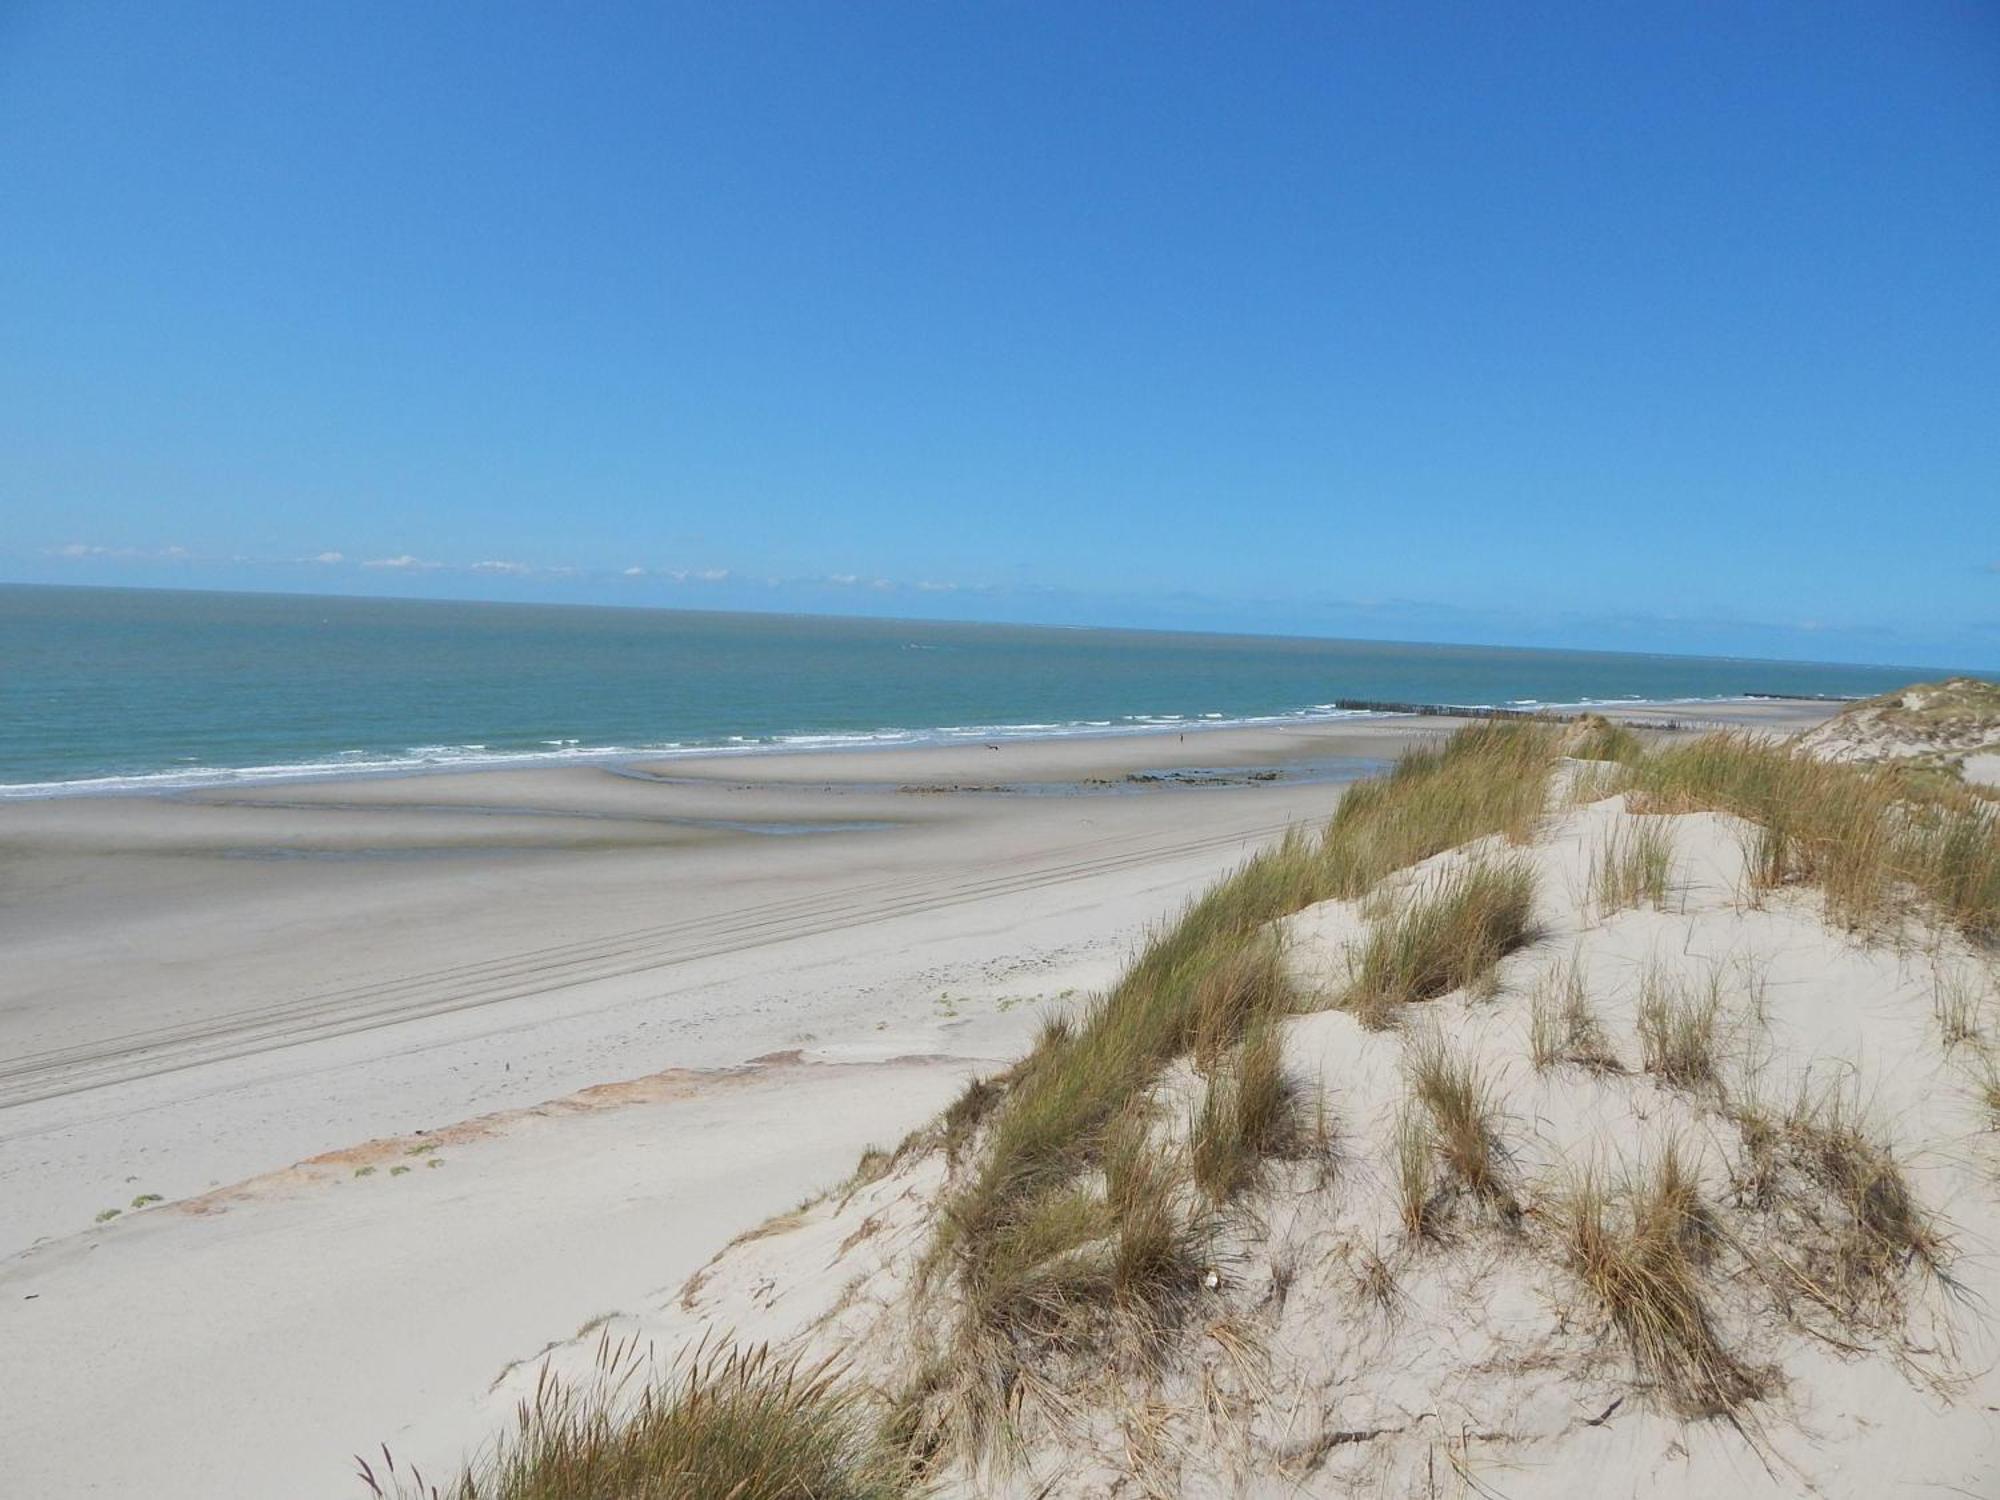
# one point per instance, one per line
(725, 1421)
(1639, 1251)
(1464, 1116)
(1562, 1025)
(1633, 868)
(1851, 1224)
(1102, 1206)
(1044, 1191)
(1869, 840)
(1680, 1028)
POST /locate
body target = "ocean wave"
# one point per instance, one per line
(417, 759)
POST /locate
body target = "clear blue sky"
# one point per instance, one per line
(1663, 326)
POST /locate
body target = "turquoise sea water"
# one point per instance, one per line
(110, 689)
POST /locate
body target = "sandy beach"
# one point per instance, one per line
(345, 1045)
(206, 990)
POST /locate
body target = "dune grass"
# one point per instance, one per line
(1639, 1251)
(1868, 839)
(1594, 737)
(1463, 1114)
(1958, 1001)
(1250, 1114)
(1633, 867)
(1447, 935)
(1680, 1028)
(1563, 1026)
(1878, 1227)
(724, 1422)
(1416, 1175)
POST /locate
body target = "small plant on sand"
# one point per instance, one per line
(1447, 935)
(1416, 1175)
(145, 1200)
(1956, 1000)
(1375, 1282)
(1633, 867)
(1562, 1025)
(724, 1422)
(1249, 1114)
(1639, 1252)
(1463, 1116)
(1679, 1028)
(1875, 1225)
(106, 1215)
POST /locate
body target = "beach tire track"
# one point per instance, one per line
(348, 1010)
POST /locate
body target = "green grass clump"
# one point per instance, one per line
(1447, 935)
(1250, 1114)
(1633, 867)
(725, 1422)
(1464, 1117)
(1680, 1029)
(1489, 778)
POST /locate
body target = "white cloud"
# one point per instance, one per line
(845, 580)
(635, 573)
(402, 562)
(699, 575)
(929, 587)
(86, 549)
(328, 557)
(884, 584)
(511, 569)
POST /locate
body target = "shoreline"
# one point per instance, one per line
(1634, 712)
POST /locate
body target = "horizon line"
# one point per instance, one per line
(797, 614)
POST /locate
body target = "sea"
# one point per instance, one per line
(120, 690)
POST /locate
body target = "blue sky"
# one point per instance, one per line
(1669, 327)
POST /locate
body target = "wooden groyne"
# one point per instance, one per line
(1481, 711)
